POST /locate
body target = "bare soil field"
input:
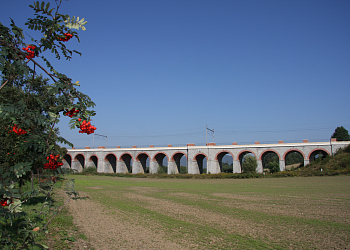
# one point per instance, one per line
(285, 213)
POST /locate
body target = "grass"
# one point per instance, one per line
(266, 213)
(62, 231)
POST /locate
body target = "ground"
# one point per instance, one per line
(135, 213)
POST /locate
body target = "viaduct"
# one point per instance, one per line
(133, 160)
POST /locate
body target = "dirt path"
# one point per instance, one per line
(107, 231)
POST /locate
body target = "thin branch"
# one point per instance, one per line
(47, 196)
(59, 210)
(51, 75)
(4, 84)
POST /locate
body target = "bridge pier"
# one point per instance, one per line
(77, 166)
(172, 168)
(107, 167)
(99, 168)
(282, 165)
(193, 167)
(306, 161)
(153, 167)
(259, 169)
(236, 167)
(213, 167)
(122, 168)
(137, 168)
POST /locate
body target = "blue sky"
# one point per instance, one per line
(159, 71)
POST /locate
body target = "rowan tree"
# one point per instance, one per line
(30, 108)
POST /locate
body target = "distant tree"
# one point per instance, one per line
(226, 168)
(293, 158)
(249, 164)
(183, 170)
(341, 134)
(162, 169)
(270, 157)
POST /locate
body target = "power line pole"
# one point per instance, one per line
(206, 133)
(93, 141)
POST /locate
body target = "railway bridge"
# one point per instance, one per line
(199, 159)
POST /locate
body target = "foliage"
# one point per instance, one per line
(293, 158)
(30, 108)
(249, 164)
(183, 170)
(89, 170)
(226, 168)
(162, 169)
(269, 157)
(273, 166)
(341, 134)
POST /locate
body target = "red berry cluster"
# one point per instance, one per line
(53, 164)
(4, 203)
(30, 50)
(68, 36)
(86, 127)
(18, 130)
(72, 112)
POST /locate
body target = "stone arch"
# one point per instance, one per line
(268, 151)
(316, 151)
(111, 162)
(219, 156)
(67, 161)
(94, 159)
(176, 157)
(142, 158)
(265, 153)
(159, 158)
(158, 154)
(199, 159)
(295, 150)
(80, 158)
(294, 164)
(241, 155)
(126, 161)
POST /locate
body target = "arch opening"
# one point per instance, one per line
(225, 160)
(181, 162)
(269, 160)
(293, 160)
(162, 161)
(242, 156)
(126, 159)
(112, 162)
(201, 160)
(94, 161)
(144, 160)
(80, 158)
(68, 160)
(318, 155)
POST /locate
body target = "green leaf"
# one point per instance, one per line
(47, 6)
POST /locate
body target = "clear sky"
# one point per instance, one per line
(160, 70)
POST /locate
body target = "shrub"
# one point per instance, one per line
(249, 164)
(183, 170)
(89, 170)
(227, 168)
(273, 166)
(162, 169)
